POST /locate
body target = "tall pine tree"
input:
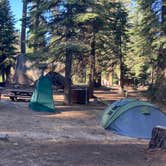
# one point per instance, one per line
(7, 39)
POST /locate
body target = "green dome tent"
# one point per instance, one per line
(131, 117)
(42, 98)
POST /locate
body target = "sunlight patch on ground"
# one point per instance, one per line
(68, 114)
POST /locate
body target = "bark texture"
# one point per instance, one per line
(158, 139)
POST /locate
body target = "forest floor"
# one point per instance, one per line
(70, 137)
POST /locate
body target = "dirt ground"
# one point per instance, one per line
(70, 137)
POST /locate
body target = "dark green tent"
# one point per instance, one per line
(42, 98)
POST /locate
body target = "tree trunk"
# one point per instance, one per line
(152, 75)
(82, 72)
(164, 17)
(23, 27)
(20, 63)
(36, 25)
(98, 79)
(68, 62)
(121, 76)
(3, 76)
(121, 64)
(8, 78)
(20, 70)
(158, 139)
(92, 67)
(67, 89)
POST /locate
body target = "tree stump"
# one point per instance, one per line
(158, 139)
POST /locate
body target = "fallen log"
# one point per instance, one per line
(158, 139)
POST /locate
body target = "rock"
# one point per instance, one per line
(15, 144)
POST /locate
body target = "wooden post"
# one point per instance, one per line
(1, 92)
(158, 139)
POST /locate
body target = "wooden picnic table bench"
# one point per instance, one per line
(16, 94)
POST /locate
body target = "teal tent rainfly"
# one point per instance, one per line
(131, 117)
(42, 98)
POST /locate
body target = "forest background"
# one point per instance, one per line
(92, 40)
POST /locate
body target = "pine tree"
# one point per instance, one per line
(107, 24)
(38, 26)
(93, 22)
(113, 38)
(153, 33)
(7, 39)
(159, 89)
(76, 30)
(70, 18)
(135, 59)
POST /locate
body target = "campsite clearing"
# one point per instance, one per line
(72, 136)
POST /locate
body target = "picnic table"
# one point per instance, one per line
(16, 94)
